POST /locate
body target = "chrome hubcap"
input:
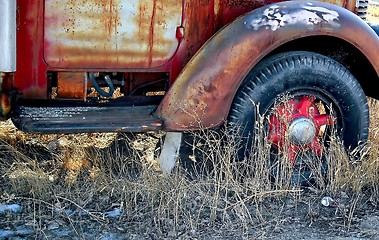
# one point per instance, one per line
(305, 125)
(301, 131)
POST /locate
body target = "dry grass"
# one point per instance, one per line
(58, 172)
(373, 14)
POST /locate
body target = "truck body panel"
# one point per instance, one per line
(206, 87)
(116, 35)
(110, 34)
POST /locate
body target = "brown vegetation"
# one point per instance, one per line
(373, 14)
(94, 173)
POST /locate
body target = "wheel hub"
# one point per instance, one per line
(301, 131)
(296, 125)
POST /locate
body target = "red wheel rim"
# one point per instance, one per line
(300, 118)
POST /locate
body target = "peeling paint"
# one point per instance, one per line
(275, 17)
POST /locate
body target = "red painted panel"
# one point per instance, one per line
(110, 33)
(30, 77)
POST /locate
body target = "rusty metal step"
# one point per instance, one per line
(86, 119)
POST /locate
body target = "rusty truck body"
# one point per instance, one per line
(176, 65)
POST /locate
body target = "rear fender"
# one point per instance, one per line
(203, 92)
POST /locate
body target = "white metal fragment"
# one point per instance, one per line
(170, 151)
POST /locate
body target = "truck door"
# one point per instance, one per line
(110, 34)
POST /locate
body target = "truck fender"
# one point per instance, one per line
(202, 94)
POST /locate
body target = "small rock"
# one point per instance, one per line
(53, 145)
(15, 238)
(6, 234)
(64, 211)
(62, 233)
(14, 208)
(113, 214)
(63, 141)
(344, 196)
(24, 231)
(171, 234)
(112, 236)
(192, 232)
(53, 225)
(370, 223)
(314, 190)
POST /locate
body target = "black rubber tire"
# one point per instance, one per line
(302, 73)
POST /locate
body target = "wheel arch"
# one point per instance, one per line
(202, 94)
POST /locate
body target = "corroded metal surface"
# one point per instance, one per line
(78, 119)
(226, 11)
(71, 85)
(8, 95)
(115, 35)
(110, 33)
(203, 92)
(198, 26)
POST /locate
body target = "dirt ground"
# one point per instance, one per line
(283, 218)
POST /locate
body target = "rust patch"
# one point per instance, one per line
(6, 81)
(8, 95)
(110, 33)
(71, 85)
(151, 36)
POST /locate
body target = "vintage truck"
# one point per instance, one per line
(72, 66)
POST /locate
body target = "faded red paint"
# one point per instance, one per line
(207, 85)
(198, 28)
(106, 51)
(30, 77)
(118, 34)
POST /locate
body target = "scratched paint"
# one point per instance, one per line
(275, 17)
(110, 33)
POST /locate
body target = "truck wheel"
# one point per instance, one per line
(303, 97)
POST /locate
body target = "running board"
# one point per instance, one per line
(82, 119)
